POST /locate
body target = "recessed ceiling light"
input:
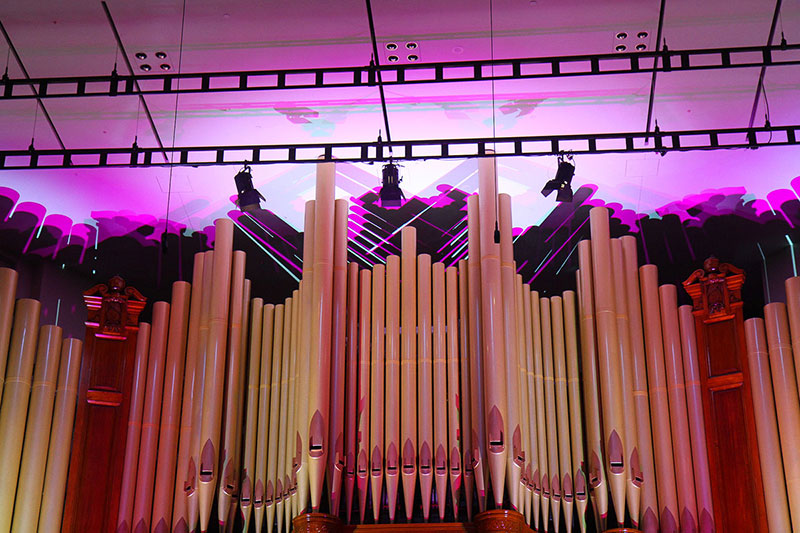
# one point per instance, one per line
(412, 45)
(641, 46)
(620, 48)
(165, 66)
(642, 35)
(622, 35)
(393, 59)
(413, 57)
(141, 55)
(161, 55)
(145, 67)
(391, 46)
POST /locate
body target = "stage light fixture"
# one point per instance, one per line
(562, 183)
(390, 194)
(249, 199)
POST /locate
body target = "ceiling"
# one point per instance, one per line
(56, 38)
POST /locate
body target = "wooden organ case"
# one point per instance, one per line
(102, 413)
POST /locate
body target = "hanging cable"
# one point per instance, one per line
(174, 130)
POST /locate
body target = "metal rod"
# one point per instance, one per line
(772, 27)
(31, 85)
(133, 78)
(651, 101)
(378, 73)
(591, 143)
(400, 74)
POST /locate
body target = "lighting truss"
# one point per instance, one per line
(401, 74)
(373, 152)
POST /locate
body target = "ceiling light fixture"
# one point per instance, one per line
(412, 45)
(145, 67)
(620, 48)
(140, 56)
(413, 57)
(393, 59)
(562, 183)
(390, 194)
(249, 199)
(642, 35)
(161, 55)
(165, 66)
(641, 47)
(391, 46)
(622, 35)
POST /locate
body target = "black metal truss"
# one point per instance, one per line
(371, 152)
(402, 74)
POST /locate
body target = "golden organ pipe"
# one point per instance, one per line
(242, 384)
(439, 404)
(215, 369)
(171, 407)
(55, 478)
(786, 400)
(37, 431)
(251, 420)
(633, 470)
(476, 376)
(649, 502)
(19, 369)
(453, 403)
(335, 437)
(465, 394)
(151, 418)
(290, 457)
(8, 291)
(274, 416)
(128, 483)
(492, 330)
(694, 400)
(792, 286)
(392, 391)
(575, 416)
(681, 440)
(192, 470)
(351, 378)
(609, 364)
(408, 373)
(533, 337)
(550, 483)
(364, 397)
(425, 378)
(283, 394)
(562, 409)
(179, 517)
(659, 403)
(228, 474)
(320, 353)
(377, 377)
(596, 474)
(769, 446)
(265, 380)
(301, 408)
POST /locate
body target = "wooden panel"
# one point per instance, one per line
(98, 446)
(733, 469)
(722, 354)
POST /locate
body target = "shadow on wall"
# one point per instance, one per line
(677, 238)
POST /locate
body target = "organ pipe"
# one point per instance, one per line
(408, 378)
(439, 403)
(8, 291)
(425, 371)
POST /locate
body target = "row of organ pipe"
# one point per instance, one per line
(457, 385)
(39, 372)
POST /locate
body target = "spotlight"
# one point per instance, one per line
(249, 198)
(563, 180)
(390, 194)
